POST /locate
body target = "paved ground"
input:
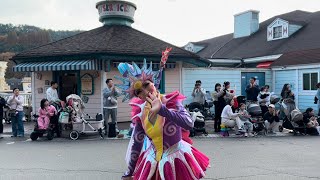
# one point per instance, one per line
(287, 158)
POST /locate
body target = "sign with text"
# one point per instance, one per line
(87, 84)
(116, 8)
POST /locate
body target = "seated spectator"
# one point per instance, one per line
(271, 119)
(46, 111)
(228, 118)
(311, 122)
(245, 125)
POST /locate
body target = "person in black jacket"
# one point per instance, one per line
(252, 90)
(2, 104)
(271, 119)
(311, 122)
(219, 104)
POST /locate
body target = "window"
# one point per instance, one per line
(309, 81)
(277, 32)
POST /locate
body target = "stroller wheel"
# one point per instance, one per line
(34, 136)
(192, 133)
(50, 135)
(101, 133)
(205, 133)
(280, 128)
(74, 135)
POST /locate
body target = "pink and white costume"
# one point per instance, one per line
(179, 160)
(168, 157)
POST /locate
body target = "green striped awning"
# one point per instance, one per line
(58, 66)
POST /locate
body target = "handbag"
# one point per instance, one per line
(113, 100)
(64, 117)
(13, 112)
(315, 100)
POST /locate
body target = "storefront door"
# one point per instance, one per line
(69, 83)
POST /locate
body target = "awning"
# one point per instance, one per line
(264, 64)
(155, 66)
(58, 66)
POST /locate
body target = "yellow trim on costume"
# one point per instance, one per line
(155, 132)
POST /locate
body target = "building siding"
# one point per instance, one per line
(283, 77)
(304, 99)
(209, 77)
(40, 83)
(94, 104)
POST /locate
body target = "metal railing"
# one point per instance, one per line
(26, 96)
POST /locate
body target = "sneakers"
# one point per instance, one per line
(251, 135)
(245, 134)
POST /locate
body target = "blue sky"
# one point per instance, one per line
(175, 21)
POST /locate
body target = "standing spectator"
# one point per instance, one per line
(286, 93)
(252, 90)
(267, 87)
(264, 99)
(198, 93)
(52, 93)
(288, 99)
(271, 119)
(318, 98)
(110, 103)
(230, 94)
(2, 104)
(16, 112)
(219, 103)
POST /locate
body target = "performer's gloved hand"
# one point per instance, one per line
(155, 102)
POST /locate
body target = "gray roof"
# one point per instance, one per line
(257, 45)
(310, 56)
(108, 40)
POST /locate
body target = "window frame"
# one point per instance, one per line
(281, 33)
(310, 83)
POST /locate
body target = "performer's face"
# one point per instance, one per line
(147, 87)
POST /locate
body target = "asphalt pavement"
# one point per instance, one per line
(287, 158)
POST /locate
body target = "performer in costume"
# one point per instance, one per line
(161, 118)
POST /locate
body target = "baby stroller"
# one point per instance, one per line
(256, 118)
(195, 110)
(292, 118)
(254, 110)
(80, 125)
(49, 132)
(208, 104)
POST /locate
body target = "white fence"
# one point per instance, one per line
(26, 96)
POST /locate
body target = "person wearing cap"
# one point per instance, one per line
(271, 119)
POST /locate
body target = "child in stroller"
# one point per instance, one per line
(80, 125)
(45, 120)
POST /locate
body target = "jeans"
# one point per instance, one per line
(274, 126)
(107, 113)
(17, 124)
